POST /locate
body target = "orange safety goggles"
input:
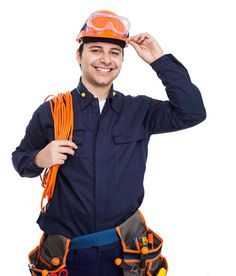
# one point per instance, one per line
(100, 22)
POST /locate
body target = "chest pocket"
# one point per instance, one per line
(131, 135)
(130, 150)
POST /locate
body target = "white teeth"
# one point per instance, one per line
(103, 69)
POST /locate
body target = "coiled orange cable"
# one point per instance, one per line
(63, 118)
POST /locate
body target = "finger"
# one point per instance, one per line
(144, 36)
(60, 162)
(134, 45)
(66, 150)
(62, 157)
(66, 143)
(134, 38)
(137, 37)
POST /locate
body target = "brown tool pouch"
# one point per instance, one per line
(49, 256)
(141, 248)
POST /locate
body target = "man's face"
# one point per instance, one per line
(100, 63)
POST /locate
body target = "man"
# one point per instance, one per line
(99, 184)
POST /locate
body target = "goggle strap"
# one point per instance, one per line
(84, 27)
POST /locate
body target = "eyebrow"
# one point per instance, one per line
(100, 47)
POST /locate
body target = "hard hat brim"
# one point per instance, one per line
(87, 39)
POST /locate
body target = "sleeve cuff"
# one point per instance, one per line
(160, 64)
(32, 164)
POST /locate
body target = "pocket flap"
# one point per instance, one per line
(50, 254)
(131, 135)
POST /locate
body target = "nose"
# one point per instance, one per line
(105, 59)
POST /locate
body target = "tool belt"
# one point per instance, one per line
(49, 257)
(141, 249)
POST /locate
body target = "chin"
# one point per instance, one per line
(104, 82)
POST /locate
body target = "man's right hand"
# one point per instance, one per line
(55, 153)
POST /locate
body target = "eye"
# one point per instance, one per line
(95, 51)
(115, 53)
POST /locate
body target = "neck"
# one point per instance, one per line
(100, 92)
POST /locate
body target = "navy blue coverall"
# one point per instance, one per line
(102, 184)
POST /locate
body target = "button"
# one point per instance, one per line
(44, 272)
(114, 93)
(118, 261)
(162, 272)
(56, 261)
(83, 94)
(144, 250)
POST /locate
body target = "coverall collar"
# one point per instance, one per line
(85, 97)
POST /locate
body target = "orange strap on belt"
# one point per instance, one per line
(63, 118)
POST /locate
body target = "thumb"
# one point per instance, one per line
(135, 46)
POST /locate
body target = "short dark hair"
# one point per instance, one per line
(80, 49)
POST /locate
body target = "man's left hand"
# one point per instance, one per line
(146, 46)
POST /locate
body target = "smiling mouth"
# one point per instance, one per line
(100, 69)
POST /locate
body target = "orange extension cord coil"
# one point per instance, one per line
(63, 118)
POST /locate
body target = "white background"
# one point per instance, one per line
(189, 182)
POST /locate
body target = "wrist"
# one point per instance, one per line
(156, 56)
(37, 160)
